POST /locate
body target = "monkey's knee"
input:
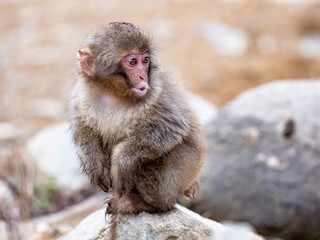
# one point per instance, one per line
(160, 199)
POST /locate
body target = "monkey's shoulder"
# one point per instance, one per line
(89, 106)
(171, 112)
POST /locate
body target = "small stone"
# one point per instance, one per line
(251, 134)
(273, 162)
(43, 228)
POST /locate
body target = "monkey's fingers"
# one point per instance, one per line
(103, 186)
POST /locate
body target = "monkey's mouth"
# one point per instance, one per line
(140, 89)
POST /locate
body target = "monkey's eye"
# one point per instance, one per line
(132, 61)
(146, 60)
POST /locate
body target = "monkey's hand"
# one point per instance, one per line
(94, 163)
(95, 160)
(102, 181)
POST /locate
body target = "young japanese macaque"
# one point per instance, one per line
(135, 134)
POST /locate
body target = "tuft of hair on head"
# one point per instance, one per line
(109, 43)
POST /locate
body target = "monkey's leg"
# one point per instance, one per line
(163, 181)
(148, 193)
(129, 203)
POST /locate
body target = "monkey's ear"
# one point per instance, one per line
(85, 59)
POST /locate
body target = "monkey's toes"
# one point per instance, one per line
(109, 206)
(192, 191)
(125, 205)
(109, 210)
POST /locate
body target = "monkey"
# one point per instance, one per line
(135, 134)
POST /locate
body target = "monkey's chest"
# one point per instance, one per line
(115, 126)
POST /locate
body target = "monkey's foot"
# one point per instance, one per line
(122, 205)
(109, 207)
(125, 205)
(192, 191)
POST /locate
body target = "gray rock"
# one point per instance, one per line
(255, 173)
(274, 103)
(204, 110)
(181, 223)
(54, 154)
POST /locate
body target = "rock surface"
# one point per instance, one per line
(204, 110)
(264, 161)
(54, 154)
(181, 224)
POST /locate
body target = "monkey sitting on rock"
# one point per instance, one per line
(134, 133)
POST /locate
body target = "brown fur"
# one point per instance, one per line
(148, 149)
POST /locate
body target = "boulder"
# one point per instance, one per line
(180, 223)
(204, 110)
(264, 161)
(54, 154)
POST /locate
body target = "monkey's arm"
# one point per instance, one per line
(148, 142)
(95, 160)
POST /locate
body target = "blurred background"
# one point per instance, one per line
(218, 48)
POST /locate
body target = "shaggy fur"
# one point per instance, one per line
(149, 149)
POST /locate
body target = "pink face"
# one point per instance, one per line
(136, 66)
